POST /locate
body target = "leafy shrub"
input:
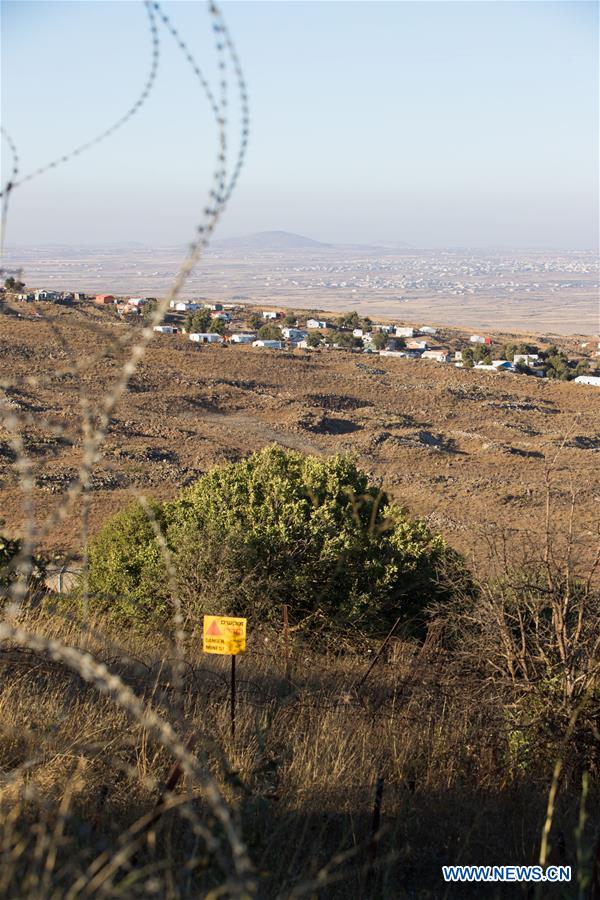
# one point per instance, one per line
(277, 527)
(127, 573)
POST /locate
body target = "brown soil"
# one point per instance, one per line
(468, 450)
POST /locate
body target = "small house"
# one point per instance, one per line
(105, 299)
(165, 329)
(477, 339)
(442, 356)
(293, 334)
(270, 314)
(316, 323)
(242, 338)
(206, 337)
(592, 380)
(527, 359)
(404, 331)
(416, 345)
(270, 345)
(427, 329)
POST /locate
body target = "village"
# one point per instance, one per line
(207, 323)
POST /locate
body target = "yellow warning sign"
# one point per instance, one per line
(223, 634)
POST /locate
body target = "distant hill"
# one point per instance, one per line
(268, 240)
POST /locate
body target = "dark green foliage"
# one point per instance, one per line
(380, 340)
(345, 339)
(467, 357)
(276, 527)
(198, 322)
(217, 326)
(481, 354)
(349, 320)
(509, 350)
(557, 365)
(127, 573)
(148, 310)
(270, 332)
(14, 285)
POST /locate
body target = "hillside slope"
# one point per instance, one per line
(468, 450)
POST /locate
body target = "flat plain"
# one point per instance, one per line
(536, 290)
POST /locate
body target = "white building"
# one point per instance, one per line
(402, 331)
(293, 334)
(358, 332)
(477, 339)
(317, 323)
(242, 338)
(270, 345)
(206, 338)
(528, 359)
(442, 356)
(427, 329)
(593, 380)
(383, 329)
(136, 301)
(165, 329)
(269, 314)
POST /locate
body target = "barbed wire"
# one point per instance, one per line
(122, 120)
(428, 686)
(219, 194)
(5, 193)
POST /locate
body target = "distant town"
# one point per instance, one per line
(545, 291)
(275, 329)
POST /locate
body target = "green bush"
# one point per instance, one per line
(276, 527)
(127, 574)
(270, 332)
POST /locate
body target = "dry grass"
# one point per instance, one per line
(81, 779)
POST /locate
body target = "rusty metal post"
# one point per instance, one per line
(233, 696)
(286, 641)
(360, 683)
(375, 824)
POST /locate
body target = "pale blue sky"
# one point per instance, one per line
(436, 123)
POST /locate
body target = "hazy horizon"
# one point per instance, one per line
(442, 125)
(482, 248)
